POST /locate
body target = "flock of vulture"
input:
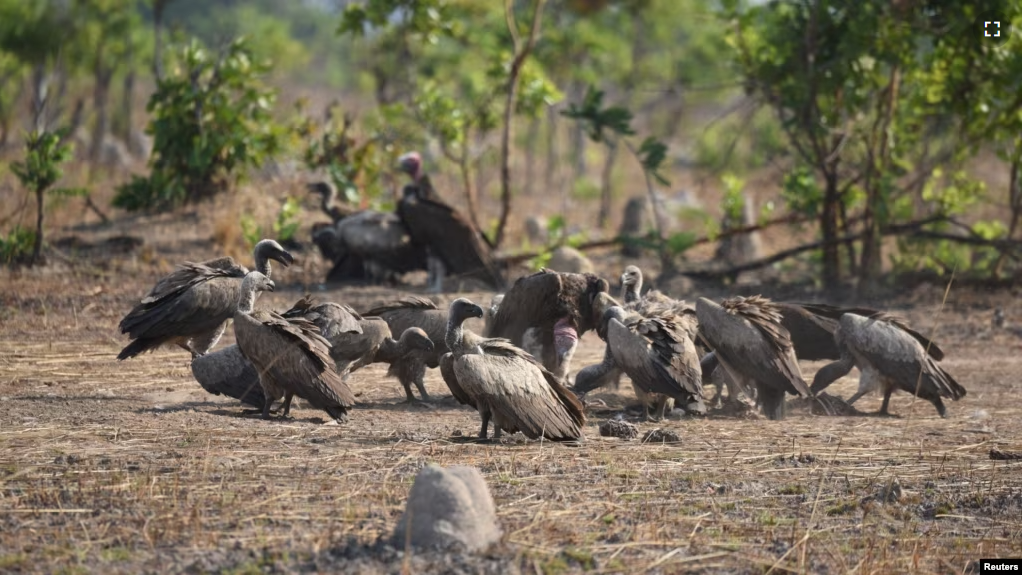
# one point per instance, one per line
(517, 374)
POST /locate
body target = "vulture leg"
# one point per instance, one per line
(772, 400)
(266, 407)
(436, 272)
(856, 396)
(497, 431)
(661, 408)
(287, 405)
(708, 365)
(830, 373)
(888, 390)
(486, 424)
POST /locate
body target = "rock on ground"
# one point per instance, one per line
(448, 507)
(567, 259)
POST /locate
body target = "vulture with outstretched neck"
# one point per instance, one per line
(506, 384)
(454, 246)
(749, 341)
(889, 357)
(414, 312)
(290, 355)
(190, 307)
(545, 313)
(657, 355)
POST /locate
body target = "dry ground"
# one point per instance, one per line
(110, 466)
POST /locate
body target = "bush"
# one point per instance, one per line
(16, 246)
(211, 118)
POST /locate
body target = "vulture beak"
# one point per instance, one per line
(476, 311)
(429, 346)
(269, 285)
(285, 258)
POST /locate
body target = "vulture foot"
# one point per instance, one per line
(886, 414)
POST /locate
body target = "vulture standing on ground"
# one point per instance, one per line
(415, 312)
(505, 383)
(373, 343)
(190, 307)
(546, 313)
(889, 357)
(657, 355)
(290, 355)
(453, 245)
(228, 372)
(366, 245)
(749, 341)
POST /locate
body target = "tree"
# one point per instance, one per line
(41, 169)
(211, 119)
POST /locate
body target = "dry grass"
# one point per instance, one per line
(108, 466)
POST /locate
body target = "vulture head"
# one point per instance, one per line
(256, 282)
(462, 309)
(416, 339)
(565, 339)
(270, 250)
(324, 189)
(631, 283)
(411, 164)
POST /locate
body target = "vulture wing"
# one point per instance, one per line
(812, 335)
(835, 313)
(190, 274)
(416, 312)
(450, 237)
(451, 378)
(657, 356)
(898, 355)
(228, 372)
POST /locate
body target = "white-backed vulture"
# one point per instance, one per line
(505, 383)
(534, 305)
(290, 355)
(373, 343)
(414, 312)
(888, 358)
(190, 307)
(754, 348)
(454, 245)
(657, 355)
(329, 202)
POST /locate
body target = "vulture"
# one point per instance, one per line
(366, 245)
(505, 383)
(657, 355)
(749, 341)
(290, 355)
(190, 306)
(352, 350)
(453, 244)
(889, 357)
(654, 300)
(227, 372)
(545, 313)
(329, 202)
(415, 312)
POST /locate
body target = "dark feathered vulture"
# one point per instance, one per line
(505, 383)
(533, 307)
(657, 355)
(889, 358)
(190, 307)
(372, 343)
(290, 355)
(749, 341)
(414, 312)
(329, 201)
(454, 245)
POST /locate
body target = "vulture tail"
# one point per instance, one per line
(137, 347)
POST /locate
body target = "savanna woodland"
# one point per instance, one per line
(864, 157)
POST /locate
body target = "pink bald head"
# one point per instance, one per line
(565, 338)
(411, 164)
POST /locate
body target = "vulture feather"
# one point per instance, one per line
(190, 307)
(889, 356)
(506, 384)
(749, 341)
(414, 312)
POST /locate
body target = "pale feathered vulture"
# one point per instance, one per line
(657, 355)
(505, 383)
(454, 245)
(290, 355)
(373, 343)
(190, 307)
(545, 313)
(228, 372)
(653, 301)
(888, 358)
(754, 348)
(414, 312)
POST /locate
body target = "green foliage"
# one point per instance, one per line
(679, 242)
(16, 246)
(286, 224)
(211, 119)
(598, 120)
(41, 169)
(733, 200)
(740, 143)
(251, 231)
(355, 166)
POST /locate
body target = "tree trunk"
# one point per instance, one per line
(128, 107)
(551, 150)
(829, 227)
(531, 153)
(879, 154)
(1014, 202)
(37, 250)
(41, 89)
(158, 6)
(606, 186)
(100, 93)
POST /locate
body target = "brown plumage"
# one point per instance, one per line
(749, 341)
(835, 313)
(290, 355)
(889, 357)
(414, 312)
(534, 305)
(507, 384)
(190, 307)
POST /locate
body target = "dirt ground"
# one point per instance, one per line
(112, 467)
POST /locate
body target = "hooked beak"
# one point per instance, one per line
(477, 311)
(269, 285)
(285, 258)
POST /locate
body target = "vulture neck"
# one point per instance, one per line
(455, 336)
(246, 302)
(632, 291)
(391, 351)
(262, 261)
